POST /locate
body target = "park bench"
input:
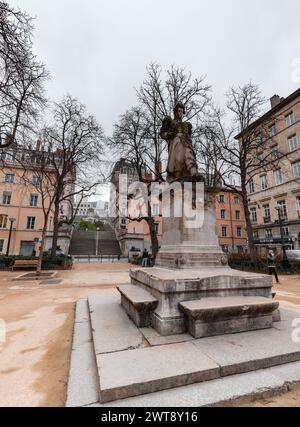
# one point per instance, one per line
(217, 316)
(138, 304)
(25, 263)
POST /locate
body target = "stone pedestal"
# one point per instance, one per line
(185, 245)
(172, 287)
(191, 267)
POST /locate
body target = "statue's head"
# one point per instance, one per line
(179, 110)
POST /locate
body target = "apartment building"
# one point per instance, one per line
(274, 195)
(230, 222)
(21, 213)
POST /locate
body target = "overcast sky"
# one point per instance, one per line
(98, 50)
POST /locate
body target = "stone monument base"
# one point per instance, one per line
(167, 293)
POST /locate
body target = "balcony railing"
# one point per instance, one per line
(267, 220)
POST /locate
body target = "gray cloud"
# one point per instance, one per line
(98, 50)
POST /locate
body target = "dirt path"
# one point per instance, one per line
(34, 360)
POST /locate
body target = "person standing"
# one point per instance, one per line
(272, 265)
(145, 258)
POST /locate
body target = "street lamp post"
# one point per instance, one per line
(285, 261)
(97, 241)
(12, 220)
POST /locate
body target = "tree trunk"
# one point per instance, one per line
(55, 230)
(41, 248)
(153, 236)
(251, 245)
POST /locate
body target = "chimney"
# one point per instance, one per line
(275, 100)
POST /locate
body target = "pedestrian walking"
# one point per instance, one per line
(272, 265)
(145, 258)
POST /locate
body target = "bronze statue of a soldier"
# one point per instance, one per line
(178, 134)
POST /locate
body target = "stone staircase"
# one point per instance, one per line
(84, 243)
(116, 363)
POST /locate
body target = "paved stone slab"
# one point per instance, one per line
(245, 352)
(155, 339)
(82, 311)
(83, 376)
(143, 371)
(289, 373)
(111, 328)
(212, 393)
(287, 318)
(82, 334)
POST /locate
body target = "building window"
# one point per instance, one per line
(298, 206)
(286, 231)
(251, 186)
(282, 209)
(255, 235)
(238, 215)
(269, 233)
(237, 200)
(155, 209)
(6, 198)
(33, 202)
(253, 215)
(278, 177)
(156, 228)
(10, 178)
(296, 169)
(30, 223)
(224, 231)
(293, 142)
(222, 198)
(1, 246)
(264, 182)
(239, 232)
(3, 221)
(289, 119)
(259, 139)
(223, 214)
(272, 130)
(267, 213)
(36, 180)
(275, 153)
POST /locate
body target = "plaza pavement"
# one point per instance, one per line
(39, 320)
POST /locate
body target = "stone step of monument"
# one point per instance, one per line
(217, 316)
(112, 330)
(138, 304)
(83, 384)
(122, 374)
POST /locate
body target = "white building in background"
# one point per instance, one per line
(93, 210)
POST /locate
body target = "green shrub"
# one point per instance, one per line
(48, 261)
(259, 264)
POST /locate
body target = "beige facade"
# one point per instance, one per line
(276, 192)
(21, 206)
(230, 222)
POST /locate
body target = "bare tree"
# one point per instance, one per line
(137, 134)
(74, 141)
(241, 147)
(22, 76)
